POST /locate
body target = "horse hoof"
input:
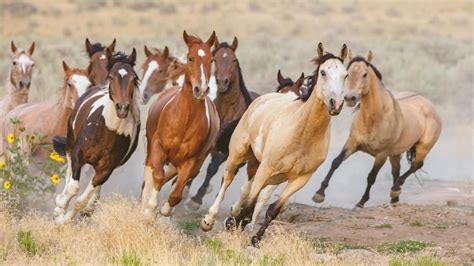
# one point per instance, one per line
(60, 220)
(59, 211)
(358, 207)
(250, 227)
(255, 242)
(395, 193)
(206, 226)
(230, 223)
(193, 205)
(166, 209)
(318, 198)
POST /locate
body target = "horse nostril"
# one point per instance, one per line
(226, 81)
(350, 98)
(332, 102)
(21, 84)
(196, 89)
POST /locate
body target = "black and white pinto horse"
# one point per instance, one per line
(103, 132)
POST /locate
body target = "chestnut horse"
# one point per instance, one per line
(48, 119)
(232, 99)
(287, 138)
(182, 128)
(287, 85)
(158, 69)
(384, 126)
(97, 69)
(103, 131)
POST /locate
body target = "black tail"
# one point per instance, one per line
(59, 145)
(411, 153)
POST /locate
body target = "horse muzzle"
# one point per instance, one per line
(223, 85)
(335, 106)
(351, 99)
(200, 93)
(122, 110)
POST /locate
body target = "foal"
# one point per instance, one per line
(384, 126)
(103, 131)
(182, 128)
(48, 119)
(231, 101)
(288, 138)
(97, 69)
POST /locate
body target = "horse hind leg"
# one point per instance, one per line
(252, 166)
(379, 162)
(395, 163)
(71, 187)
(262, 200)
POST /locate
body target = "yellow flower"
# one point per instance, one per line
(55, 179)
(10, 138)
(7, 185)
(59, 159)
(2, 164)
(54, 155)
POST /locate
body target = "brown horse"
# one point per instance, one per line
(97, 69)
(158, 69)
(384, 126)
(19, 79)
(231, 101)
(103, 131)
(49, 118)
(287, 85)
(182, 128)
(287, 138)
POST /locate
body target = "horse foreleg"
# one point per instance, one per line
(92, 203)
(185, 173)
(216, 160)
(274, 209)
(71, 187)
(379, 162)
(396, 189)
(395, 162)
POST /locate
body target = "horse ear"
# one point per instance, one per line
(349, 55)
(133, 55)
(302, 76)
(166, 52)
(108, 53)
(88, 47)
(147, 52)
(343, 52)
(66, 67)
(186, 38)
(31, 50)
(280, 77)
(300, 81)
(320, 49)
(235, 44)
(211, 39)
(13, 46)
(111, 46)
(216, 44)
(370, 56)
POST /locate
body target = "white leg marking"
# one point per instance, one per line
(244, 193)
(80, 203)
(262, 200)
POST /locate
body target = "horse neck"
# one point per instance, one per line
(372, 104)
(15, 97)
(313, 116)
(231, 105)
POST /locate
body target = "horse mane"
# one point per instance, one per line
(120, 57)
(286, 82)
(96, 47)
(361, 59)
(221, 45)
(312, 81)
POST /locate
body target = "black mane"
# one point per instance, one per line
(361, 59)
(221, 45)
(286, 82)
(123, 58)
(312, 81)
(96, 47)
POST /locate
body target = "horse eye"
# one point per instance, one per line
(323, 73)
(190, 59)
(14, 63)
(235, 60)
(365, 75)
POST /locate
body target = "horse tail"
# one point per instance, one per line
(411, 154)
(59, 145)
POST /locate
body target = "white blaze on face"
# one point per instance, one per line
(122, 72)
(81, 83)
(224, 55)
(152, 66)
(201, 53)
(333, 82)
(102, 57)
(204, 82)
(24, 62)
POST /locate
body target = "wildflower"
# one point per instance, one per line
(2, 164)
(55, 179)
(31, 138)
(59, 159)
(7, 185)
(54, 155)
(10, 138)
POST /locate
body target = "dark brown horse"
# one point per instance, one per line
(182, 128)
(287, 85)
(97, 70)
(231, 101)
(103, 131)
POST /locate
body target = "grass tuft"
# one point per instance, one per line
(404, 246)
(28, 244)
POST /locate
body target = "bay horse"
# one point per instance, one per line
(182, 128)
(232, 99)
(103, 131)
(158, 70)
(288, 139)
(384, 126)
(287, 85)
(49, 118)
(97, 69)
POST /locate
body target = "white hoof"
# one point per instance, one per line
(166, 209)
(61, 220)
(250, 227)
(59, 211)
(207, 223)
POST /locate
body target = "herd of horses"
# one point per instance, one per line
(280, 137)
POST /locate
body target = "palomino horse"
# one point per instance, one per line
(103, 131)
(232, 99)
(182, 128)
(157, 71)
(19, 79)
(289, 139)
(48, 119)
(287, 85)
(384, 126)
(97, 69)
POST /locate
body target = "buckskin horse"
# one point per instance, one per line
(103, 131)
(288, 139)
(182, 128)
(384, 126)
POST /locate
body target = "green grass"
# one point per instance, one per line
(383, 226)
(188, 226)
(127, 259)
(419, 261)
(28, 244)
(403, 246)
(213, 244)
